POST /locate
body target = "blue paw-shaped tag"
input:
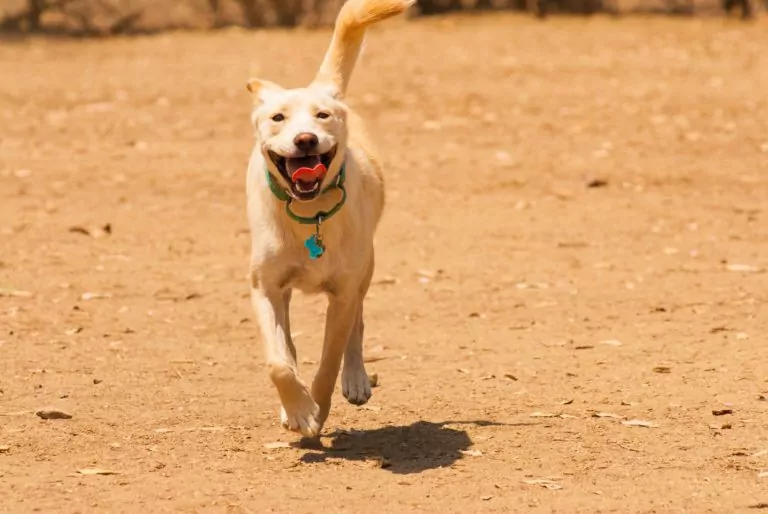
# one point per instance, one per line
(315, 247)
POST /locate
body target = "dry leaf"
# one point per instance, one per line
(567, 402)
(486, 498)
(373, 378)
(597, 182)
(662, 369)
(743, 268)
(15, 292)
(639, 423)
(471, 453)
(381, 462)
(543, 482)
(722, 412)
(4, 448)
(97, 471)
(340, 445)
(462, 370)
(606, 415)
(385, 281)
(95, 296)
(79, 230)
(52, 414)
(276, 445)
(96, 232)
(510, 376)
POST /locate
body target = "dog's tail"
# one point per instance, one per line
(348, 35)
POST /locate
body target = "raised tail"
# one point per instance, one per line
(348, 34)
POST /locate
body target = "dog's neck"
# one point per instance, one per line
(282, 195)
(314, 243)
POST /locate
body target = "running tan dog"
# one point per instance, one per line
(315, 196)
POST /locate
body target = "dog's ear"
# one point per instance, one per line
(261, 89)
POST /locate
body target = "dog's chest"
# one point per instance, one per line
(311, 278)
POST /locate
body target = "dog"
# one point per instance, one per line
(315, 194)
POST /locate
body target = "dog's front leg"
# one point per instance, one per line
(300, 412)
(340, 319)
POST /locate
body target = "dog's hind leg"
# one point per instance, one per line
(300, 412)
(355, 384)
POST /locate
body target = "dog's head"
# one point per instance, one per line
(302, 134)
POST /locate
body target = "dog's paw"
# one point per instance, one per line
(302, 416)
(355, 385)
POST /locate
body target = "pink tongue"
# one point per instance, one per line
(309, 175)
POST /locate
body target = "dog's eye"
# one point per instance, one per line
(277, 118)
(322, 115)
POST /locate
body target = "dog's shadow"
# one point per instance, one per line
(398, 449)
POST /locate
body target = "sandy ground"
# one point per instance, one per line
(574, 244)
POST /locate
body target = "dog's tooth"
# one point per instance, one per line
(300, 187)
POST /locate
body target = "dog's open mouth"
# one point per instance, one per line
(305, 174)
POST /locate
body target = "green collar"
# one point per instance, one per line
(321, 216)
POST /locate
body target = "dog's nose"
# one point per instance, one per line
(306, 141)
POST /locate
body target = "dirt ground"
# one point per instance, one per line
(574, 245)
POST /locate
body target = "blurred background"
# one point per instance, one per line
(102, 17)
(574, 254)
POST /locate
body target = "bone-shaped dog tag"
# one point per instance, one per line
(315, 246)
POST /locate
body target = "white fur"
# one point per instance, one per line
(279, 261)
